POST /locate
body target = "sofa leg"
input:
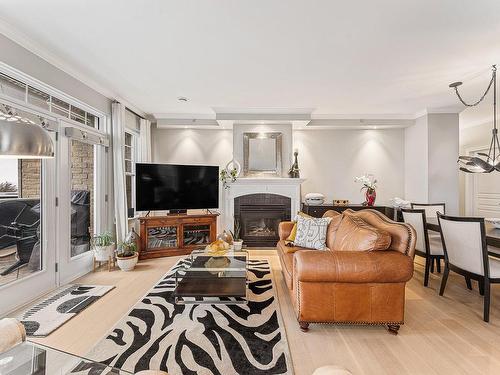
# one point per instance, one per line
(304, 326)
(393, 328)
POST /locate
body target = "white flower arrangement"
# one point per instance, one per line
(368, 180)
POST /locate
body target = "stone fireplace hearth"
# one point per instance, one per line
(260, 215)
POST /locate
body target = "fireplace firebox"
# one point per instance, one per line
(259, 216)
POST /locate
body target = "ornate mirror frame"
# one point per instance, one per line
(276, 172)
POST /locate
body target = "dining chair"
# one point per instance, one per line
(431, 209)
(466, 253)
(430, 249)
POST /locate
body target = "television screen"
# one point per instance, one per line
(176, 187)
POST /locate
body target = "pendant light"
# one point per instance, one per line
(23, 139)
(483, 163)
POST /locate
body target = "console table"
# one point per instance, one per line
(175, 234)
(319, 210)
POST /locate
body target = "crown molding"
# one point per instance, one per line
(27, 43)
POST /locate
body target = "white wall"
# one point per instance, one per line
(443, 155)
(192, 146)
(431, 152)
(416, 161)
(330, 159)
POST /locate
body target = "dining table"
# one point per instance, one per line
(492, 233)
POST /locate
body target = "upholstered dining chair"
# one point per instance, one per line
(431, 209)
(466, 253)
(429, 248)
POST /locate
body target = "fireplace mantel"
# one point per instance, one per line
(287, 187)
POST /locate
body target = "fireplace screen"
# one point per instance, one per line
(261, 227)
(260, 215)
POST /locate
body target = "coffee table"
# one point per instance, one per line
(213, 279)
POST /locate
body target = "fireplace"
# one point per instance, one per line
(260, 215)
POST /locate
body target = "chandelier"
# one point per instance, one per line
(483, 163)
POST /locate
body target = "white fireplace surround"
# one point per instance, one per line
(287, 187)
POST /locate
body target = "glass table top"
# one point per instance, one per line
(34, 359)
(210, 277)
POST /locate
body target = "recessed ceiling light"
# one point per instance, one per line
(182, 99)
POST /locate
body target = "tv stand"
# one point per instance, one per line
(177, 212)
(171, 234)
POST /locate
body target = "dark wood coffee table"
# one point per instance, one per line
(213, 279)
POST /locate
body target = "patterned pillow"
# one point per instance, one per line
(311, 232)
(289, 241)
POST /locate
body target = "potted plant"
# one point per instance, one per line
(369, 184)
(127, 256)
(103, 246)
(237, 241)
(228, 176)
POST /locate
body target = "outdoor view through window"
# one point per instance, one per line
(20, 218)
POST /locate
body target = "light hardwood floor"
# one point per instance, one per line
(442, 335)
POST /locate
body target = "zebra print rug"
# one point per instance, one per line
(200, 339)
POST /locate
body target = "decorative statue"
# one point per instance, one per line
(294, 171)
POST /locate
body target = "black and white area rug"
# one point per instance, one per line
(200, 339)
(59, 307)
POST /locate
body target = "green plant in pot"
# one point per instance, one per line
(103, 246)
(237, 241)
(127, 256)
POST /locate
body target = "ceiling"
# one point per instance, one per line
(361, 59)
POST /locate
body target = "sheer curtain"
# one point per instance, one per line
(145, 141)
(120, 198)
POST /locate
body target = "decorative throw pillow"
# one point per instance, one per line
(291, 237)
(354, 234)
(311, 232)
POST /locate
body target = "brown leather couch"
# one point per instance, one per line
(350, 286)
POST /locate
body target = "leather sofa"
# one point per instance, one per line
(349, 285)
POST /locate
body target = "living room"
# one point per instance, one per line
(242, 188)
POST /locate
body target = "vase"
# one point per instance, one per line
(233, 164)
(127, 263)
(370, 197)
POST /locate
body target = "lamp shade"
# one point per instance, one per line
(24, 140)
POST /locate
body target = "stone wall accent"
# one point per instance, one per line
(82, 172)
(29, 171)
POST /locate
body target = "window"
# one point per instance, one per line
(82, 196)
(20, 218)
(130, 159)
(19, 90)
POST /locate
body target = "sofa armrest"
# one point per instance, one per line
(284, 229)
(352, 266)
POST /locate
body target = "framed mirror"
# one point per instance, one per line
(262, 154)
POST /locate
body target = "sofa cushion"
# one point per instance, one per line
(354, 234)
(331, 232)
(286, 260)
(311, 232)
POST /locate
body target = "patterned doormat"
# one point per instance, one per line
(59, 307)
(200, 339)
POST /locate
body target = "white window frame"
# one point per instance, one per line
(134, 157)
(102, 181)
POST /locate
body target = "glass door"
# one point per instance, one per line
(81, 200)
(27, 230)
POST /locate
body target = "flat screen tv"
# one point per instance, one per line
(176, 187)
